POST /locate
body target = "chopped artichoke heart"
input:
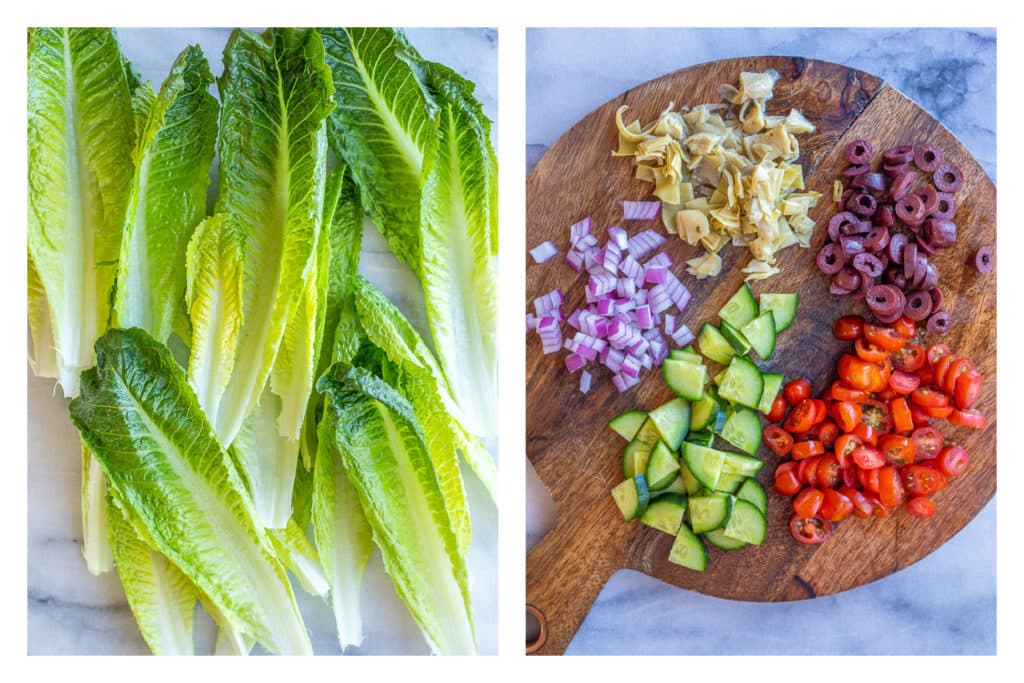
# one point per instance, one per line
(702, 143)
(837, 191)
(714, 241)
(798, 124)
(757, 85)
(633, 131)
(759, 270)
(644, 172)
(697, 203)
(685, 191)
(707, 265)
(666, 186)
(671, 124)
(753, 120)
(692, 225)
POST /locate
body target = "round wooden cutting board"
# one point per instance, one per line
(579, 458)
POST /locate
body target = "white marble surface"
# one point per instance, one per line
(944, 604)
(72, 612)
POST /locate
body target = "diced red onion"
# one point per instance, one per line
(670, 324)
(585, 380)
(643, 317)
(549, 302)
(578, 230)
(631, 366)
(624, 382)
(682, 335)
(655, 275)
(644, 243)
(531, 322)
(574, 362)
(659, 259)
(625, 287)
(574, 259)
(601, 283)
(640, 211)
(619, 237)
(543, 252)
(612, 257)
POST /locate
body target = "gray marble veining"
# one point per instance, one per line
(949, 72)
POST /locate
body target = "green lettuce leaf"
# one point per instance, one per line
(96, 548)
(79, 175)
(384, 455)
(179, 486)
(43, 358)
(300, 557)
(168, 196)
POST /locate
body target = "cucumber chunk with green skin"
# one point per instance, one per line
(720, 420)
(736, 338)
(746, 523)
(690, 484)
(705, 513)
(632, 496)
(754, 493)
(634, 458)
(704, 412)
(740, 309)
(713, 345)
(677, 485)
(685, 378)
(628, 423)
(662, 467)
(704, 437)
(782, 306)
(744, 465)
(729, 482)
(742, 383)
(717, 538)
(672, 421)
(772, 385)
(743, 430)
(684, 355)
(666, 513)
(760, 332)
(688, 550)
(705, 464)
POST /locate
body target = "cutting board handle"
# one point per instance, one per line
(568, 568)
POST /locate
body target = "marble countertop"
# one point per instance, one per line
(72, 612)
(949, 72)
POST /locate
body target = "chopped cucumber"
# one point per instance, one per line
(632, 496)
(744, 465)
(742, 383)
(705, 437)
(704, 412)
(760, 332)
(743, 430)
(717, 379)
(628, 423)
(690, 484)
(685, 378)
(666, 513)
(740, 309)
(717, 538)
(772, 385)
(754, 493)
(688, 550)
(662, 467)
(677, 485)
(708, 512)
(720, 420)
(782, 307)
(736, 338)
(705, 464)
(746, 523)
(672, 421)
(729, 482)
(634, 458)
(714, 345)
(684, 355)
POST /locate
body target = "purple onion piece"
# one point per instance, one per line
(909, 259)
(835, 224)
(885, 300)
(941, 234)
(859, 152)
(901, 185)
(897, 243)
(982, 260)
(937, 299)
(830, 259)
(868, 264)
(940, 322)
(856, 170)
(928, 158)
(851, 245)
(948, 178)
(847, 278)
(945, 206)
(903, 154)
(870, 181)
(919, 305)
(885, 215)
(877, 239)
(862, 204)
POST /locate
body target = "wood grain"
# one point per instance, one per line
(578, 458)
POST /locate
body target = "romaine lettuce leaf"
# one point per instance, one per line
(179, 486)
(95, 516)
(43, 358)
(300, 557)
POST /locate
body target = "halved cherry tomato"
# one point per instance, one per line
(869, 352)
(858, 374)
(848, 328)
(876, 414)
(868, 479)
(810, 530)
(786, 481)
(926, 397)
(778, 440)
(919, 480)
(903, 382)
(901, 419)
(927, 442)
(841, 392)
(956, 368)
(806, 449)
(941, 412)
(898, 450)
(935, 352)
(919, 507)
(971, 417)
(796, 390)
(820, 410)
(847, 414)
(835, 507)
(828, 473)
(828, 432)
(880, 509)
(890, 486)
(886, 395)
(941, 367)
(801, 417)
(846, 444)
(868, 458)
(905, 327)
(910, 358)
(968, 387)
(849, 471)
(805, 470)
(886, 337)
(808, 502)
(917, 414)
(926, 374)
(862, 507)
(868, 433)
(778, 410)
(953, 460)
(884, 372)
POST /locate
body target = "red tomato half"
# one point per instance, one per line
(922, 508)
(967, 389)
(810, 530)
(919, 480)
(890, 487)
(927, 442)
(835, 507)
(885, 337)
(910, 358)
(935, 352)
(778, 410)
(953, 460)
(801, 418)
(971, 417)
(797, 390)
(898, 450)
(778, 440)
(905, 327)
(903, 382)
(848, 328)
(862, 507)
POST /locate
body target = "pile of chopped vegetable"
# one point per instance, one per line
(727, 177)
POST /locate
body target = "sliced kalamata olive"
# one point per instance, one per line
(835, 288)
(868, 264)
(910, 209)
(855, 228)
(939, 233)
(920, 270)
(884, 258)
(897, 243)
(862, 204)
(940, 322)
(894, 276)
(851, 245)
(856, 170)
(937, 299)
(896, 169)
(925, 246)
(931, 276)
(877, 239)
(909, 259)
(885, 215)
(928, 158)
(903, 154)
(859, 152)
(901, 185)
(870, 181)
(945, 206)
(885, 300)
(847, 278)
(889, 319)
(830, 259)
(983, 260)
(847, 193)
(836, 223)
(919, 305)
(948, 178)
(866, 283)
(930, 198)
